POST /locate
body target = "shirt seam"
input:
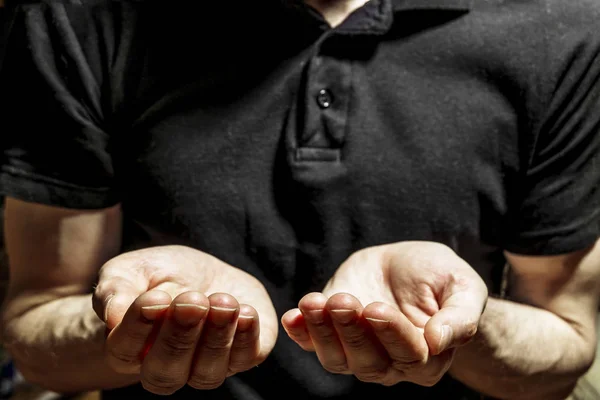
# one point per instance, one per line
(52, 181)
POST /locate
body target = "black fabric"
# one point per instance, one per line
(253, 132)
(3, 266)
(3, 16)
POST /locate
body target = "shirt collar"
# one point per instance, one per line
(381, 19)
(400, 5)
(403, 5)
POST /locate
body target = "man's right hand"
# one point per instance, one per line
(179, 316)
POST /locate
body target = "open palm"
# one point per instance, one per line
(392, 313)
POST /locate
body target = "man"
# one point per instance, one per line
(363, 171)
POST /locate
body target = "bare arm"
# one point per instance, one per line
(48, 322)
(539, 345)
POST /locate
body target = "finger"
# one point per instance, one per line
(211, 361)
(430, 373)
(294, 324)
(127, 342)
(245, 348)
(365, 356)
(457, 321)
(403, 342)
(166, 367)
(323, 334)
(119, 284)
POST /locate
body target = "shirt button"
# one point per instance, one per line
(324, 98)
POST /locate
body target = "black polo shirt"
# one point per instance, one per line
(252, 131)
(3, 17)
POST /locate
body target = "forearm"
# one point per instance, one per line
(59, 345)
(522, 352)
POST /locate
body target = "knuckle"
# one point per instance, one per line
(135, 335)
(354, 340)
(307, 346)
(390, 382)
(336, 368)
(427, 374)
(177, 345)
(368, 377)
(244, 341)
(321, 326)
(99, 289)
(122, 360)
(159, 383)
(218, 344)
(405, 365)
(371, 374)
(102, 292)
(239, 366)
(205, 382)
(439, 368)
(325, 334)
(428, 381)
(243, 362)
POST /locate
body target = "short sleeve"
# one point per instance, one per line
(54, 145)
(3, 27)
(559, 211)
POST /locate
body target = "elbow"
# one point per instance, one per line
(562, 383)
(43, 379)
(29, 359)
(30, 374)
(557, 393)
(36, 373)
(20, 352)
(587, 359)
(575, 363)
(581, 362)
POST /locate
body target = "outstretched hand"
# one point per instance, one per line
(392, 313)
(179, 316)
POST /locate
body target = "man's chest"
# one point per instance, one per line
(339, 144)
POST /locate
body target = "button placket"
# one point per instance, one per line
(327, 91)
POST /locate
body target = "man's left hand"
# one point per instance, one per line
(392, 313)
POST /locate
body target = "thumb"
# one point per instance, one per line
(456, 323)
(111, 300)
(118, 286)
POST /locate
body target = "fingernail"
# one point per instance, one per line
(224, 315)
(343, 316)
(314, 316)
(223, 309)
(245, 323)
(187, 314)
(153, 312)
(378, 324)
(446, 337)
(108, 300)
(184, 305)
